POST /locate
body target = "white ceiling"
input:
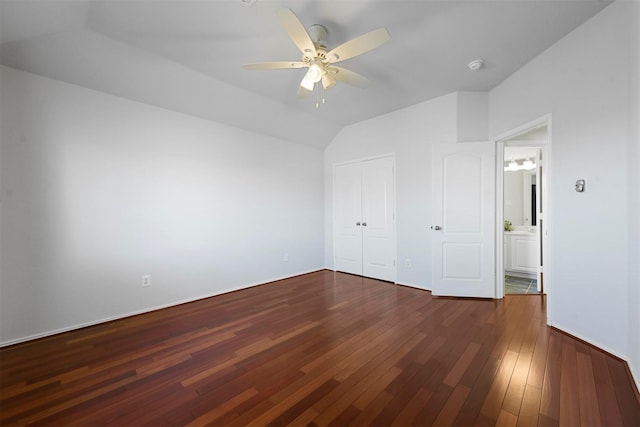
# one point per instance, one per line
(187, 55)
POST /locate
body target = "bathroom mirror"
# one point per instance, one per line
(520, 185)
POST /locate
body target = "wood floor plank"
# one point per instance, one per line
(355, 385)
(493, 403)
(515, 391)
(413, 407)
(480, 379)
(539, 359)
(452, 407)
(462, 364)
(530, 408)
(605, 390)
(569, 399)
(628, 404)
(506, 419)
(588, 398)
(319, 349)
(550, 399)
(437, 401)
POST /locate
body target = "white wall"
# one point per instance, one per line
(409, 134)
(583, 81)
(473, 116)
(98, 190)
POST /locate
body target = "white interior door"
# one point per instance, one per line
(365, 218)
(463, 215)
(378, 247)
(348, 218)
(540, 223)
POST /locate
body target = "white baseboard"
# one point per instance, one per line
(144, 310)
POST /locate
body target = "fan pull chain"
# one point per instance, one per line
(317, 90)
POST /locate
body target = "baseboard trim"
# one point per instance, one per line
(144, 310)
(413, 287)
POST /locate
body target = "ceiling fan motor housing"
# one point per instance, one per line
(317, 33)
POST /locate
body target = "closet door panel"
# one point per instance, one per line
(348, 217)
(378, 245)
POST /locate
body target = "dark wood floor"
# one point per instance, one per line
(320, 349)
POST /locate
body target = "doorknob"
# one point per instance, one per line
(436, 227)
(357, 223)
(364, 224)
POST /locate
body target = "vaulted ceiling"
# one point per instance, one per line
(187, 55)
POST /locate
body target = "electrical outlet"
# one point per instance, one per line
(407, 263)
(286, 258)
(146, 280)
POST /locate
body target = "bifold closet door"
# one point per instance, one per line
(364, 208)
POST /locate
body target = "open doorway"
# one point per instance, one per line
(521, 240)
(522, 205)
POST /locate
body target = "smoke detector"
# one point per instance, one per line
(475, 65)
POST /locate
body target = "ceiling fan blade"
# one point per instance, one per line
(359, 45)
(274, 65)
(349, 77)
(296, 31)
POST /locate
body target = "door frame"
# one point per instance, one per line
(392, 155)
(499, 140)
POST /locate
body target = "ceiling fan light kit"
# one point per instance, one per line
(315, 72)
(318, 59)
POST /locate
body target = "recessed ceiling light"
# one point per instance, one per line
(248, 2)
(475, 65)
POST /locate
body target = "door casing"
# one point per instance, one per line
(546, 233)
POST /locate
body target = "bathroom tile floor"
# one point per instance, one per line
(520, 285)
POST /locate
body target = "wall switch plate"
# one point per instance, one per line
(285, 258)
(146, 280)
(407, 263)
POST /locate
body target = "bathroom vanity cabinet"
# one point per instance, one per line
(520, 253)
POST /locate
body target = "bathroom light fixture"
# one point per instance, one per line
(513, 166)
(528, 165)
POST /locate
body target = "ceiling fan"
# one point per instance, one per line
(317, 58)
